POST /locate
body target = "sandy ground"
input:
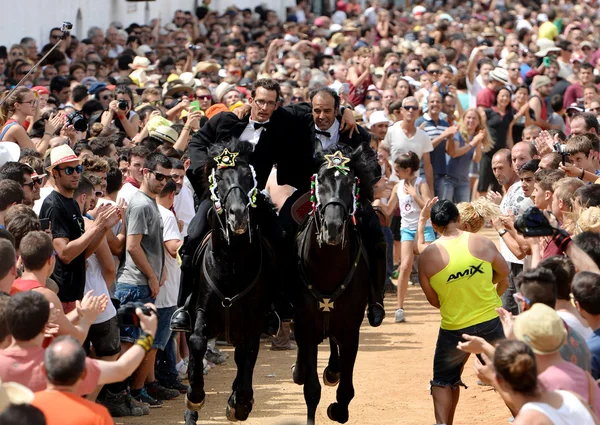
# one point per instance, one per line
(392, 373)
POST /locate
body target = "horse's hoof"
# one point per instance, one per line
(335, 413)
(190, 417)
(230, 413)
(297, 379)
(194, 406)
(331, 379)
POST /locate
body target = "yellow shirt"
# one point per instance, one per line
(548, 30)
(464, 287)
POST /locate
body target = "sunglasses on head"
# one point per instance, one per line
(372, 98)
(411, 108)
(159, 176)
(70, 170)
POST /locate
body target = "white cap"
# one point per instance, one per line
(378, 117)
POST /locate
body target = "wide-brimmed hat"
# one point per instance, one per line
(14, 393)
(141, 62)
(165, 133)
(9, 151)
(378, 117)
(60, 155)
(500, 74)
(541, 81)
(541, 328)
(176, 87)
(546, 46)
(143, 50)
(206, 66)
(222, 89)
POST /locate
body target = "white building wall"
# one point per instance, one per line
(35, 18)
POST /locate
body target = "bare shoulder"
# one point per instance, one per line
(482, 247)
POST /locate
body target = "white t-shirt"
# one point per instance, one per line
(409, 209)
(184, 205)
(95, 281)
(127, 192)
(514, 202)
(399, 142)
(574, 323)
(473, 89)
(116, 229)
(44, 192)
(167, 296)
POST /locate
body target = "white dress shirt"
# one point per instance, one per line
(251, 134)
(334, 132)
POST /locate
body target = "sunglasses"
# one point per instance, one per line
(106, 97)
(98, 194)
(181, 39)
(235, 72)
(434, 71)
(372, 98)
(55, 37)
(297, 98)
(159, 176)
(410, 108)
(593, 109)
(519, 298)
(70, 170)
(31, 184)
(412, 69)
(204, 97)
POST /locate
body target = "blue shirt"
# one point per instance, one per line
(433, 130)
(459, 167)
(593, 343)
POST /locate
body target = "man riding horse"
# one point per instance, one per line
(288, 137)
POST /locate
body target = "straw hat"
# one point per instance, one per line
(541, 328)
(60, 155)
(141, 62)
(165, 133)
(14, 393)
(222, 89)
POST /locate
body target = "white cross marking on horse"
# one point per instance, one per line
(325, 305)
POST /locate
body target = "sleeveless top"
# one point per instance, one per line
(464, 287)
(7, 125)
(571, 412)
(409, 209)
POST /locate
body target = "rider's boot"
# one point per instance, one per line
(375, 311)
(181, 320)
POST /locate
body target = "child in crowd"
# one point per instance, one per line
(542, 188)
(410, 194)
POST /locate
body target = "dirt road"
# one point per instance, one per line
(391, 379)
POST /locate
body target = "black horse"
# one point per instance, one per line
(331, 299)
(234, 266)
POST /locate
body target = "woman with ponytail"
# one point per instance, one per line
(13, 113)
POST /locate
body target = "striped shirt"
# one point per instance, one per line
(433, 130)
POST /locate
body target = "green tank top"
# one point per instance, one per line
(464, 287)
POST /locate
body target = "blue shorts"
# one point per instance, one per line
(410, 235)
(449, 361)
(127, 293)
(163, 331)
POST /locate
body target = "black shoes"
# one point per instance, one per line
(375, 314)
(181, 321)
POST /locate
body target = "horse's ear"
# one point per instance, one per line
(358, 153)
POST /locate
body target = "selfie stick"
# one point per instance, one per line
(66, 29)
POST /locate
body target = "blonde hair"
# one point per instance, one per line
(8, 108)
(589, 221)
(487, 143)
(475, 213)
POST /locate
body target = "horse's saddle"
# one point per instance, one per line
(301, 208)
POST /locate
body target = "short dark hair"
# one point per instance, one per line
(170, 187)
(8, 257)
(586, 291)
(444, 212)
(124, 89)
(6, 235)
(556, 102)
(177, 164)
(85, 186)
(114, 180)
(588, 195)
(4, 299)
(546, 178)
(267, 84)
(11, 192)
(589, 242)
(22, 224)
(563, 270)
(155, 159)
(64, 366)
(327, 91)
(101, 146)
(530, 166)
(408, 160)
(59, 82)
(15, 171)
(139, 151)
(80, 147)
(35, 250)
(17, 414)
(27, 315)
(79, 93)
(591, 122)
(556, 160)
(538, 285)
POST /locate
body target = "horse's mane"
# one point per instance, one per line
(363, 161)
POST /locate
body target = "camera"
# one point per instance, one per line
(66, 26)
(533, 223)
(123, 105)
(127, 317)
(78, 121)
(194, 47)
(562, 150)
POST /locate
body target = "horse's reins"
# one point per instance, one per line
(227, 302)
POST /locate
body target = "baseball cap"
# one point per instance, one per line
(541, 81)
(97, 88)
(378, 117)
(541, 328)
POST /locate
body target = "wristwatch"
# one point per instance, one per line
(502, 232)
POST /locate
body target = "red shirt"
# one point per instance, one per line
(486, 97)
(24, 285)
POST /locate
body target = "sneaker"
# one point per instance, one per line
(205, 367)
(159, 392)
(174, 384)
(284, 347)
(143, 396)
(118, 405)
(215, 356)
(399, 316)
(182, 368)
(144, 406)
(395, 274)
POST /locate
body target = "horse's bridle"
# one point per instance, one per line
(218, 202)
